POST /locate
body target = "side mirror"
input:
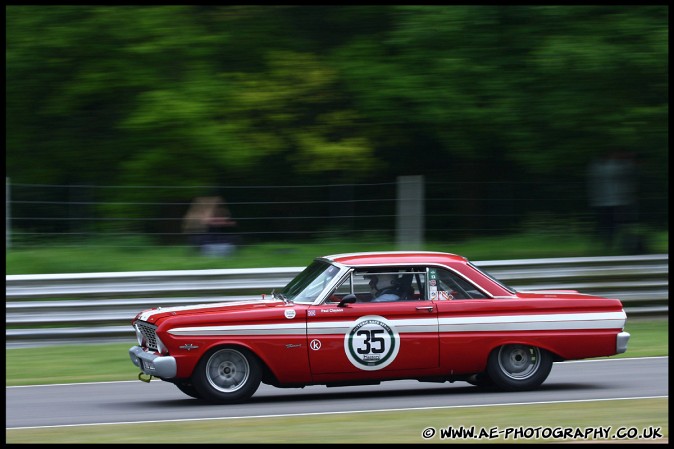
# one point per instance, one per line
(348, 299)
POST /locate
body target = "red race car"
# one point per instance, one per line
(363, 318)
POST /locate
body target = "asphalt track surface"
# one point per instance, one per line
(135, 401)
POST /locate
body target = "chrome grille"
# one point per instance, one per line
(149, 332)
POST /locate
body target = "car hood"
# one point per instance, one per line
(159, 314)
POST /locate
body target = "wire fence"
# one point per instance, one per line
(71, 215)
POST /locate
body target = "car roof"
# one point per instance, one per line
(395, 258)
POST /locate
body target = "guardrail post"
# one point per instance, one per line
(8, 232)
(410, 213)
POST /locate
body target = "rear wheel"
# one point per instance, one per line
(227, 375)
(519, 367)
(480, 380)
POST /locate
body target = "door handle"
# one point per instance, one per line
(429, 308)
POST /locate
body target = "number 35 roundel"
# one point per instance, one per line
(372, 343)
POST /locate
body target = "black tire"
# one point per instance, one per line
(188, 389)
(519, 367)
(481, 380)
(227, 375)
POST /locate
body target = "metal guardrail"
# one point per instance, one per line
(98, 307)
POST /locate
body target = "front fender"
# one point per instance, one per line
(285, 357)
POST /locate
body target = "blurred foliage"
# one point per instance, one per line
(223, 95)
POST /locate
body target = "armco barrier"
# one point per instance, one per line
(98, 307)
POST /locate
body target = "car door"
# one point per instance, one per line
(377, 337)
(467, 320)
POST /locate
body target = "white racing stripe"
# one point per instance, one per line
(415, 325)
(298, 328)
(561, 321)
(555, 321)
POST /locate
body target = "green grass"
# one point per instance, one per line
(110, 362)
(139, 255)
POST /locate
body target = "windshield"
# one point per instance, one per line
(307, 285)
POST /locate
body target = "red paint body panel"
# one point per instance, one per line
(416, 351)
(324, 342)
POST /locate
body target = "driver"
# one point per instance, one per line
(383, 287)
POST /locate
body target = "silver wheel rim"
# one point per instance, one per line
(519, 362)
(227, 370)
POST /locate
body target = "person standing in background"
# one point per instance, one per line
(206, 225)
(611, 188)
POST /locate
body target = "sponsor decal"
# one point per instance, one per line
(311, 312)
(444, 296)
(315, 345)
(372, 343)
(432, 284)
(289, 313)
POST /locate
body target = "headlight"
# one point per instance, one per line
(161, 347)
(139, 336)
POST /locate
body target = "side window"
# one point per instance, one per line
(449, 285)
(389, 284)
(343, 289)
(361, 287)
(413, 282)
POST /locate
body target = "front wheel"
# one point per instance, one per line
(188, 389)
(227, 375)
(519, 367)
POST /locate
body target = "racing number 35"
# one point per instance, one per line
(371, 343)
(370, 339)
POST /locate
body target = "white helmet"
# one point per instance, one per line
(380, 282)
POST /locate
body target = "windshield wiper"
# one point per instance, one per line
(280, 296)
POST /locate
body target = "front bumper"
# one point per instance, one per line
(150, 363)
(621, 342)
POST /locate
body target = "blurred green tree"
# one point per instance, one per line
(216, 95)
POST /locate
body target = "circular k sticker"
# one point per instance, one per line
(372, 343)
